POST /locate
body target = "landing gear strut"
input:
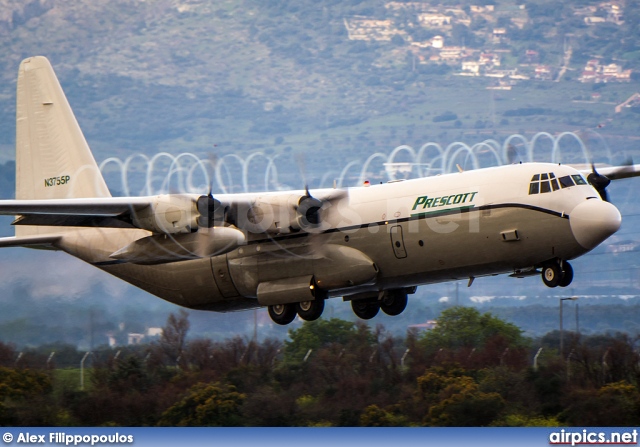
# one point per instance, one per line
(557, 273)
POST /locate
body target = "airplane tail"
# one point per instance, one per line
(53, 160)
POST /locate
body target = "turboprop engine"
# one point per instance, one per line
(162, 248)
(168, 214)
(282, 214)
(185, 228)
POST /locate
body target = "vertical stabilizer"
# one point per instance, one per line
(53, 160)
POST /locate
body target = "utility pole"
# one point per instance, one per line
(573, 298)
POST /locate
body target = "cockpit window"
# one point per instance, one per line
(542, 183)
(547, 182)
(579, 179)
(566, 181)
(544, 186)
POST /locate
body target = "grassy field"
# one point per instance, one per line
(69, 379)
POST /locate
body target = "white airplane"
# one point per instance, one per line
(290, 251)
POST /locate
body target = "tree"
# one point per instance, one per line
(479, 340)
(129, 375)
(374, 416)
(211, 405)
(451, 397)
(464, 405)
(23, 395)
(316, 334)
(7, 354)
(613, 405)
(174, 338)
(465, 327)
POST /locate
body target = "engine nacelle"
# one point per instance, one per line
(163, 248)
(168, 214)
(281, 214)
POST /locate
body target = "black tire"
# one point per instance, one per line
(567, 274)
(310, 310)
(365, 310)
(551, 274)
(282, 314)
(394, 302)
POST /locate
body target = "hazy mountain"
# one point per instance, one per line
(238, 74)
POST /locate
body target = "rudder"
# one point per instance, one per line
(53, 159)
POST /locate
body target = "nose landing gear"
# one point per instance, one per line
(557, 273)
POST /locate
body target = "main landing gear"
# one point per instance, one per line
(284, 314)
(393, 303)
(557, 273)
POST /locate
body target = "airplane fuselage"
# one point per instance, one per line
(415, 232)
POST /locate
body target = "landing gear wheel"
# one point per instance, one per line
(282, 314)
(551, 274)
(567, 274)
(365, 310)
(394, 302)
(310, 310)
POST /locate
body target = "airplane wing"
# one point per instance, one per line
(611, 172)
(179, 213)
(619, 172)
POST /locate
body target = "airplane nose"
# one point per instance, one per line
(593, 221)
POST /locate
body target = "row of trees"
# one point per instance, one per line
(473, 369)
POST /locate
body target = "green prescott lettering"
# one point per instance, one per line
(57, 181)
(423, 202)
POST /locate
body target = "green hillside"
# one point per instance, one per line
(330, 77)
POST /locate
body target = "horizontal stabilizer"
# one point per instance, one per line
(58, 220)
(76, 207)
(27, 241)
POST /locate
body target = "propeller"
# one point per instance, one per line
(309, 208)
(211, 211)
(600, 181)
(512, 154)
